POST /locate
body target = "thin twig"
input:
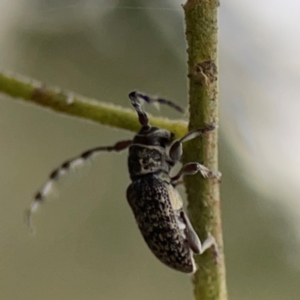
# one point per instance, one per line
(29, 90)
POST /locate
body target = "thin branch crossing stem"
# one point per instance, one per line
(31, 91)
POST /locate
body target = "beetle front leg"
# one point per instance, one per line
(175, 151)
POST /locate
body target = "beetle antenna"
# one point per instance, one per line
(64, 168)
(136, 102)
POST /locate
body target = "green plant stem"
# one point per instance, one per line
(203, 194)
(22, 88)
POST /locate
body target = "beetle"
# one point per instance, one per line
(156, 204)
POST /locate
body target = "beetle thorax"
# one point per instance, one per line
(147, 154)
(145, 159)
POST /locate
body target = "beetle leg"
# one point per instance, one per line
(66, 166)
(179, 182)
(175, 151)
(191, 169)
(193, 239)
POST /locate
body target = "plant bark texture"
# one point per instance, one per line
(203, 194)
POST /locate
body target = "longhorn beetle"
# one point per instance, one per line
(156, 204)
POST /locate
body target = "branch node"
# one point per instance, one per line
(204, 73)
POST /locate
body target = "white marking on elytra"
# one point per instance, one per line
(181, 225)
(175, 198)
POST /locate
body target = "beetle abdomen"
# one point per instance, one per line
(149, 198)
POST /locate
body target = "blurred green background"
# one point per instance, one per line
(87, 245)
